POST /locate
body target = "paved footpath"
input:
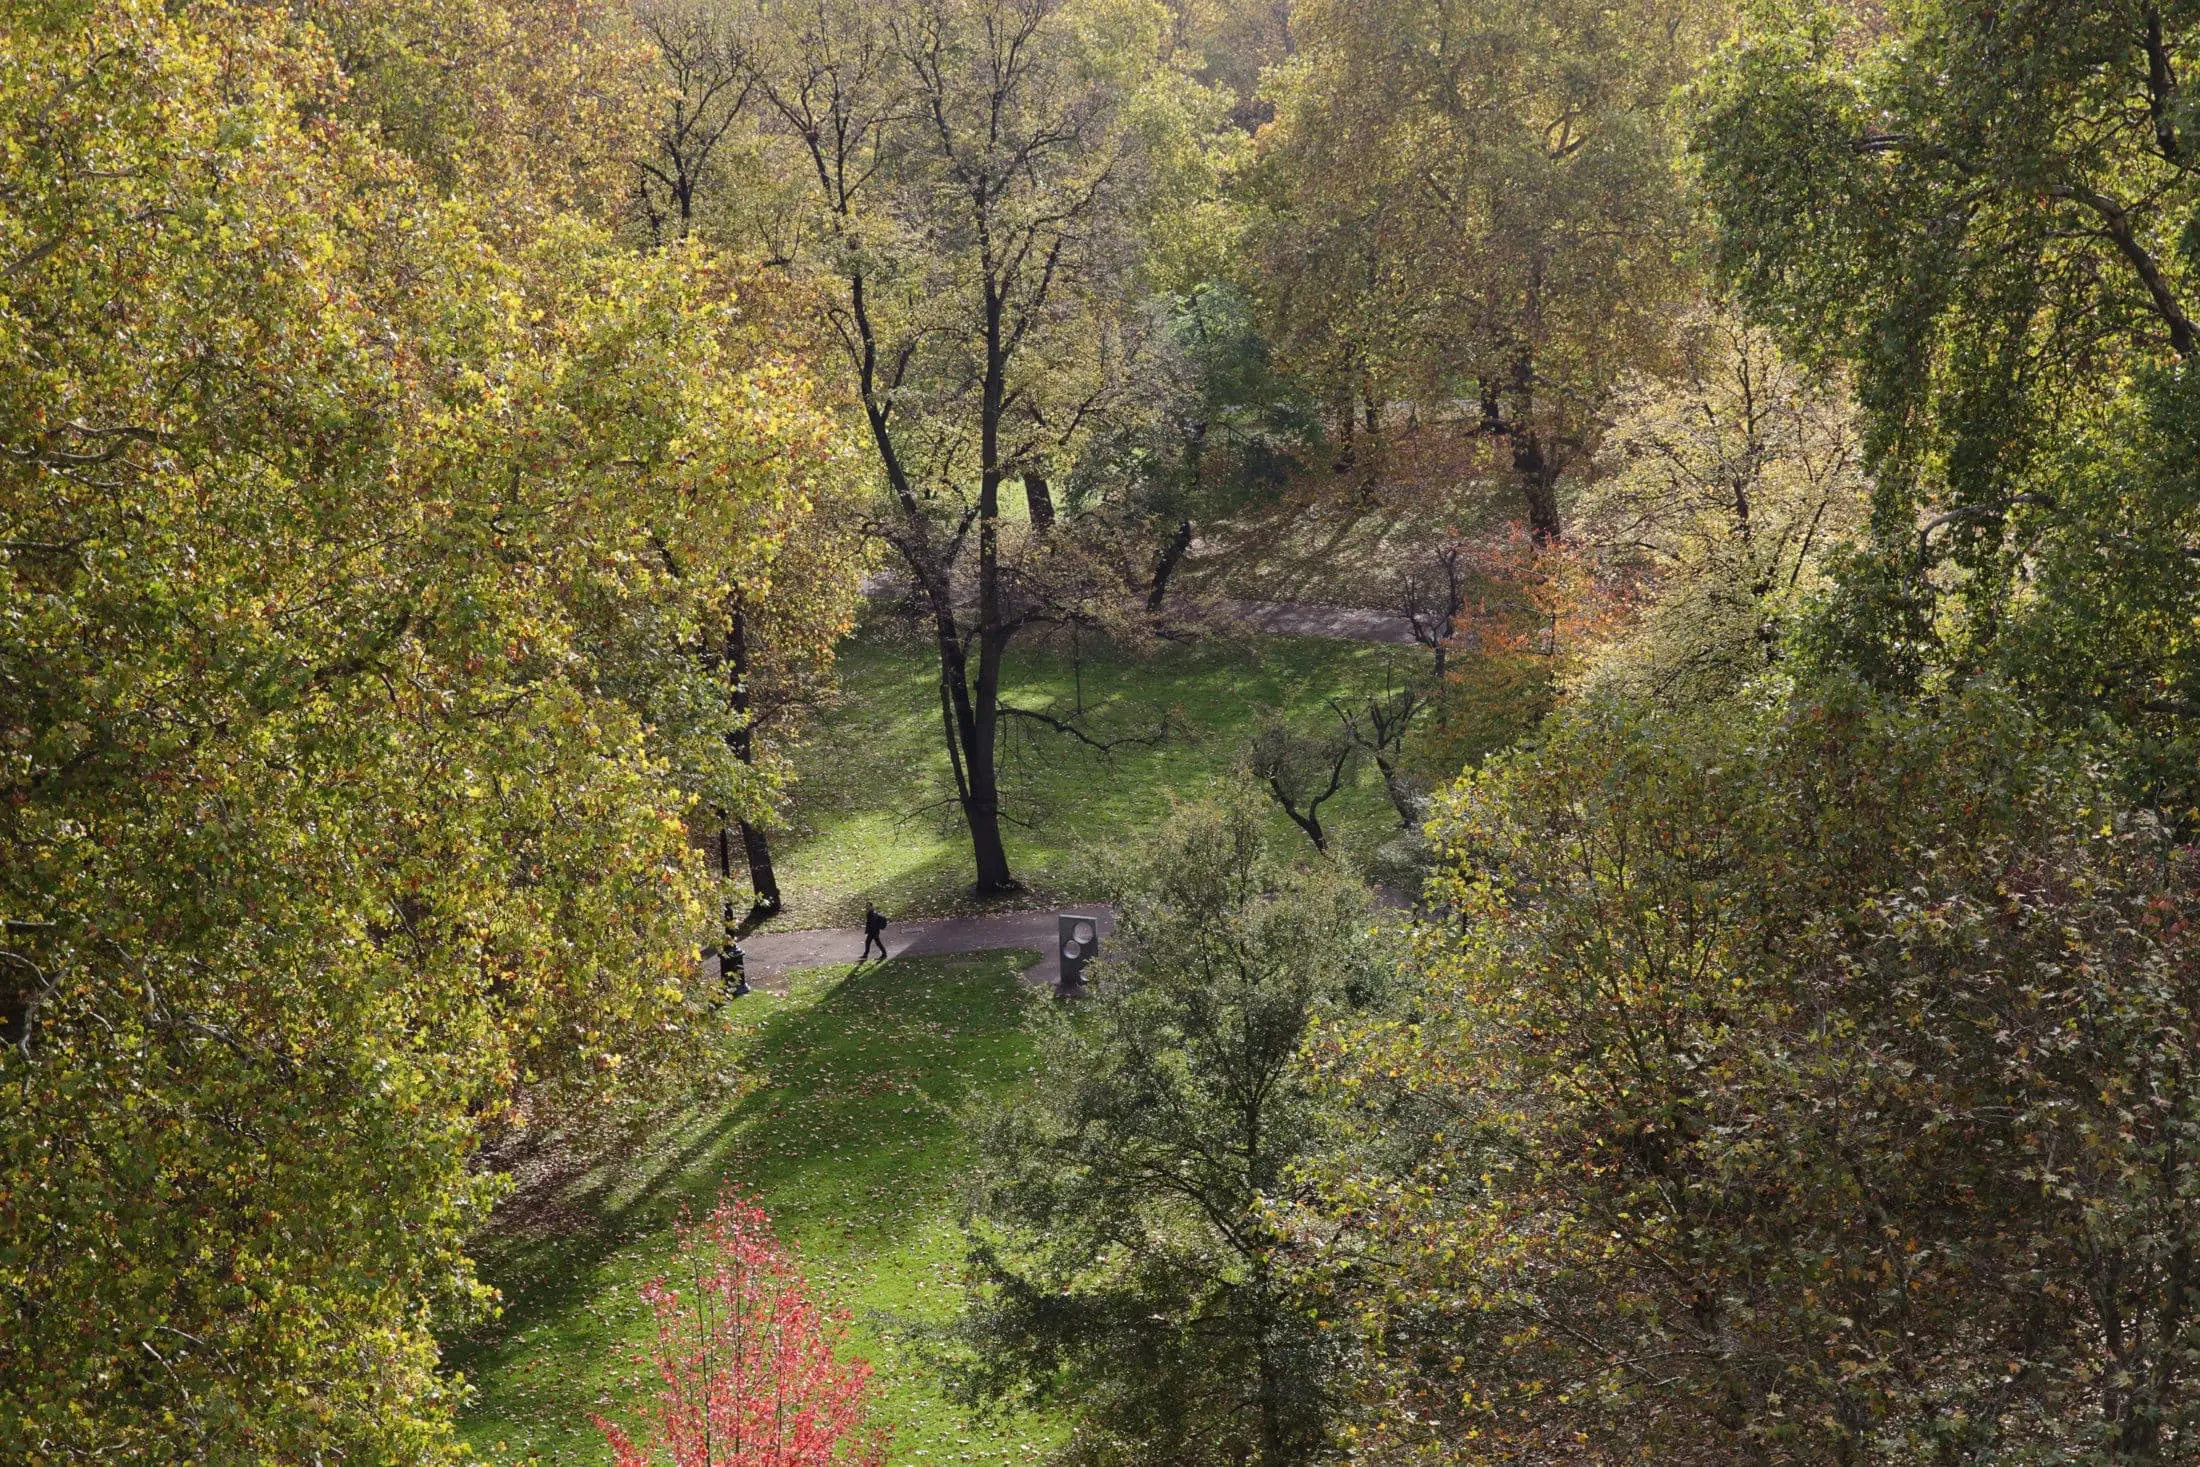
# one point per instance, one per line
(1345, 623)
(771, 956)
(1278, 618)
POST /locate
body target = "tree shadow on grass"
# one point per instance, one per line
(850, 1138)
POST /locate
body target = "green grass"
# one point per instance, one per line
(871, 815)
(847, 1130)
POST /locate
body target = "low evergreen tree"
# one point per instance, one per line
(1126, 1256)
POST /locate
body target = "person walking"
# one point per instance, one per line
(874, 931)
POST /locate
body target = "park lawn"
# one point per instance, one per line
(846, 1127)
(872, 815)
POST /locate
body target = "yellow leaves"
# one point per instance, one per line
(402, 822)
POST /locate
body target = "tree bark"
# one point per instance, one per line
(1039, 500)
(1401, 797)
(762, 879)
(1310, 822)
(970, 724)
(982, 804)
(1171, 554)
(1538, 471)
(761, 875)
(1538, 485)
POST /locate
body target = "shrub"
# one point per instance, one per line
(753, 1369)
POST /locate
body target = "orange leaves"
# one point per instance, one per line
(1552, 599)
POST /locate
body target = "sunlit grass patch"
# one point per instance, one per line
(872, 817)
(849, 1137)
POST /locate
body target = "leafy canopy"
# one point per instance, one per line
(327, 839)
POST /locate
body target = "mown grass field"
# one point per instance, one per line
(846, 1127)
(872, 816)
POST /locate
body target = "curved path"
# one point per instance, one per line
(771, 956)
(1279, 618)
(1305, 619)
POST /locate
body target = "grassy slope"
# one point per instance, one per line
(848, 1134)
(871, 816)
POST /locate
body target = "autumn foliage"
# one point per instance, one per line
(1534, 615)
(356, 541)
(753, 1369)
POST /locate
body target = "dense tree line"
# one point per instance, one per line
(1792, 1063)
(366, 507)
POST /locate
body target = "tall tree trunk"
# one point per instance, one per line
(1039, 500)
(970, 736)
(972, 744)
(762, 879)
(1165, 567)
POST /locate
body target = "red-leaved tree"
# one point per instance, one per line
(754, 1374)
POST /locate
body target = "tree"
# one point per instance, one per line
(1980, 210)
(965, 181)
(1797, 1082)
(708, 88)
(1463, 200)
(778, 656)
(1377, 724)
(1431, 603)
(1301, 771)
(1540, 616)
(338, 828)
(1724, 494)
(755, 1372)
(772, 644)
(1238, 426)
(1124, 1249)
(530, 110)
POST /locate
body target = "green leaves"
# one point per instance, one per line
(331, 839)
(1982, 211)
(1829, 1052)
